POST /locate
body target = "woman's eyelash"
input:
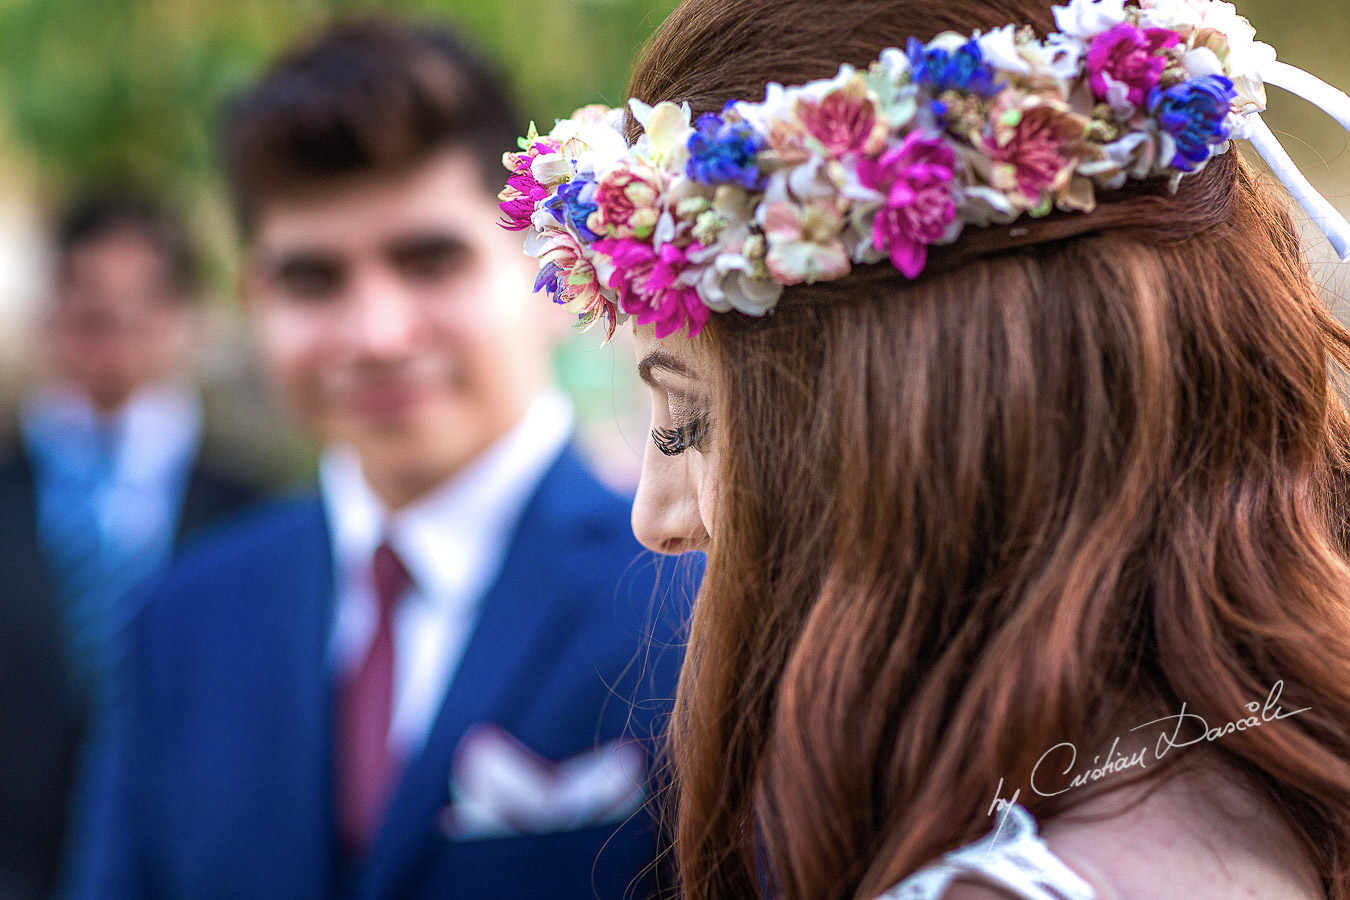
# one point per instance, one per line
(674, 441)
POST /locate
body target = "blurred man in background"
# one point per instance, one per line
(107, 475)
(424, 680)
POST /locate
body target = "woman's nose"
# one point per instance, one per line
(665, 511)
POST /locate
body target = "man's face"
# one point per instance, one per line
(117, 320)
(397, 317)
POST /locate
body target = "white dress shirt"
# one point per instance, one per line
(453, 543)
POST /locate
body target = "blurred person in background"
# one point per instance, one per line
(107, 474)
(439, 675)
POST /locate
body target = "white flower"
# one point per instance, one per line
(776, 106)
(1216, 26)
(1118, 98)
(664, 232)
(983, 206)
(1089, 18)
(895, 63)
(1224, 18)
(1167, 151)
(819, 178)
(863, 204)
(1240, 127)
(734, 276)
(898, 101)
(950, 41)
(593, 139)
(537, 239)
(999, 48)
(551, 169)
(666, 130)
(820, 88)
(857, 235)
(1245, 65)
(543, 219)
(1201, 62)
(733, 281)
(1175, 15)
(1137, 155)
(1060, 58)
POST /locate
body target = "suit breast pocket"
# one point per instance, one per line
(500, 788)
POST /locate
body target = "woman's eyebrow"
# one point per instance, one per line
(659, 359)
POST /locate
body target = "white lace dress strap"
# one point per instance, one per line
(1012, 857)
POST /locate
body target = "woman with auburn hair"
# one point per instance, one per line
(996, 389)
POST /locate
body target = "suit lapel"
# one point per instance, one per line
(208, 496)
(21, 557)
(200, 504)
(524, 622)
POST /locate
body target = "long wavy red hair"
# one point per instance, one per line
(1086, 469)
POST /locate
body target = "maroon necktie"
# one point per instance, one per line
(367, 770)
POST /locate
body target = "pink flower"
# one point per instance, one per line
(627, 203)
(1129, 56)
(653, 285)
(845, 120)
(543, 146)
(786, 139)
(916, 179)
(522, 189)
(805, 241)
(1032, 149)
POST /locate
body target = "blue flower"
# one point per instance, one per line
(1194, 112)
(550, 279)
(722, 152)
(940, 70)
(572, 204)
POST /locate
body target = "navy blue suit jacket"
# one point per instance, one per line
(214, 773)
(43, 717)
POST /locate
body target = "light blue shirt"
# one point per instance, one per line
(109, 493)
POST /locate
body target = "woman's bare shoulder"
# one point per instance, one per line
(1200, 836)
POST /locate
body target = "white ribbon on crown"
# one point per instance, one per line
(1333, 102)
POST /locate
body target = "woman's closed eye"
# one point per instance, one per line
(674, 441)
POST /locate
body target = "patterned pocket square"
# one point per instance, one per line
(500, 788)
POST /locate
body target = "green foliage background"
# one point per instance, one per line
(96, 91)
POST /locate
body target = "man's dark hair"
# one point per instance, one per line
(99, 214)
(365, 97)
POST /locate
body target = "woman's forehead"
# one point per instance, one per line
(676, 353)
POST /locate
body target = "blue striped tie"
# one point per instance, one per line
(71, 526)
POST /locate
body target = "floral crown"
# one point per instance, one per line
(725, 211)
